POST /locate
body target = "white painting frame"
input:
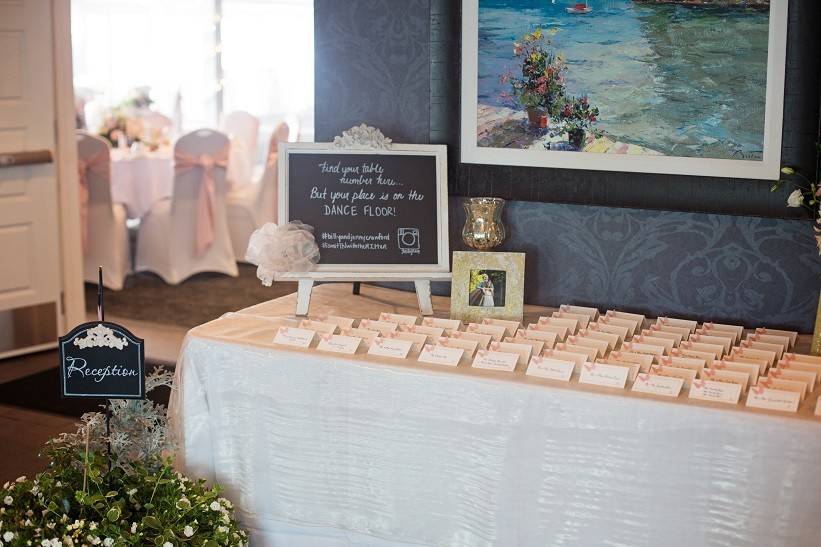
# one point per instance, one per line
(768, 168)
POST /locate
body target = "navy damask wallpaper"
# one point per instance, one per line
(390, 63)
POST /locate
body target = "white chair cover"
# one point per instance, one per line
(251, 207)
(188, 234)
(243, 129)
(105, 234)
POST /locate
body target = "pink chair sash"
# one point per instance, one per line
(99, 165)
(206, 200)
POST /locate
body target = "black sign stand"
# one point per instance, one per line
(101, 318)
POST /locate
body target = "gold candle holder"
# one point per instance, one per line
(483, 228)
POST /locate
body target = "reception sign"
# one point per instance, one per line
(103, 360)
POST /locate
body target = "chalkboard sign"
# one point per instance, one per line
(104, 360)
(372, 210)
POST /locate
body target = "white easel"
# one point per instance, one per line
(367, 141)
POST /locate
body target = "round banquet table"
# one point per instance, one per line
(139, 180)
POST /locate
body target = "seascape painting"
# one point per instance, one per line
(678, 86)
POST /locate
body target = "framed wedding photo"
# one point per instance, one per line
(487, 285)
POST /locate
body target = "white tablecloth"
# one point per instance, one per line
(140, 180)
(322, 450)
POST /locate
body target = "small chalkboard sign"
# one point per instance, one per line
(102, 360)
(379, 210)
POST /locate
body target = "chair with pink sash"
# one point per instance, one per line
(243, 130)
(102, 222)
(188, 233)
(252, 206)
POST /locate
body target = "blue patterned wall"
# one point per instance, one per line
(750, 270)
(393, 64)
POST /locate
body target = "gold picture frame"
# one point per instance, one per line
(487, 285)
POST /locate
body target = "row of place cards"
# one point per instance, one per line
(609, 349)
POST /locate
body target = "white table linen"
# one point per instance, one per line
(140, 179)
(356, 451)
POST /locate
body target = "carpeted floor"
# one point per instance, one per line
(41, 391)
(197, 300)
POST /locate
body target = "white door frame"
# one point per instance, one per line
(71, 251)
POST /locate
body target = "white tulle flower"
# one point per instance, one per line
(278, 249)
(795, 199)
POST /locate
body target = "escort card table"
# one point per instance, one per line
(318, 449)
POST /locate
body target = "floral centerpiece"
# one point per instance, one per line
(132, 498)
(119, 124)
(806, 193)
(541, 86)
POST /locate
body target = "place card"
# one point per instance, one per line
(293, 336)
(770, 356)
(441, 355)
(601, 374)
(778, 349)
(600, 346)
(714, 391)
(482, 339)
(636, 319)
(750, 369)
(548, 338)
(725, 343)
(673, 322)
(633, 368)
(631, 325)
(674, 337)
(560, 331)
(382, 327)
(612, 340)
(664, 343)
(431, 332)
(802, 358)
(666, 386)
(318, 326)
(658, 327)
(397, 318)
(592, 313)
(522, 350)
(510, 326)
(763, 364)
(390, 347)
(578, 358)
(685, 374)
(717, 350)
(537, 346)
(552, 369)
(808, 378)
(589, 353)
(496, 332)
(469, 346)
(438, 322)
(727, 337)
(339, 343)
(791, 334)
(785, 385)
(643, 360)
(647, 349)
(367, 335)
(740, 378)
(619, 330)
(341, 322)
(783, 364)
(773, 399)
(736, 330)
(495, 360)
(695, 354)
(683, 362)
(783, 341)
(581, 318)
(572, 325)
(418, 340)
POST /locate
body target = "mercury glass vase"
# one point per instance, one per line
(483, 228)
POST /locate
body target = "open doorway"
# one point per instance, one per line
(149, 74)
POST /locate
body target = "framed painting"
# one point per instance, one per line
(651, 86)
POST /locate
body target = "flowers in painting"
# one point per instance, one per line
(540, 82)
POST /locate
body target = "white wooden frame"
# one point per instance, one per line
(420, 274)
(768, 168)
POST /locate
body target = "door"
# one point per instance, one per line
(30, 276)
